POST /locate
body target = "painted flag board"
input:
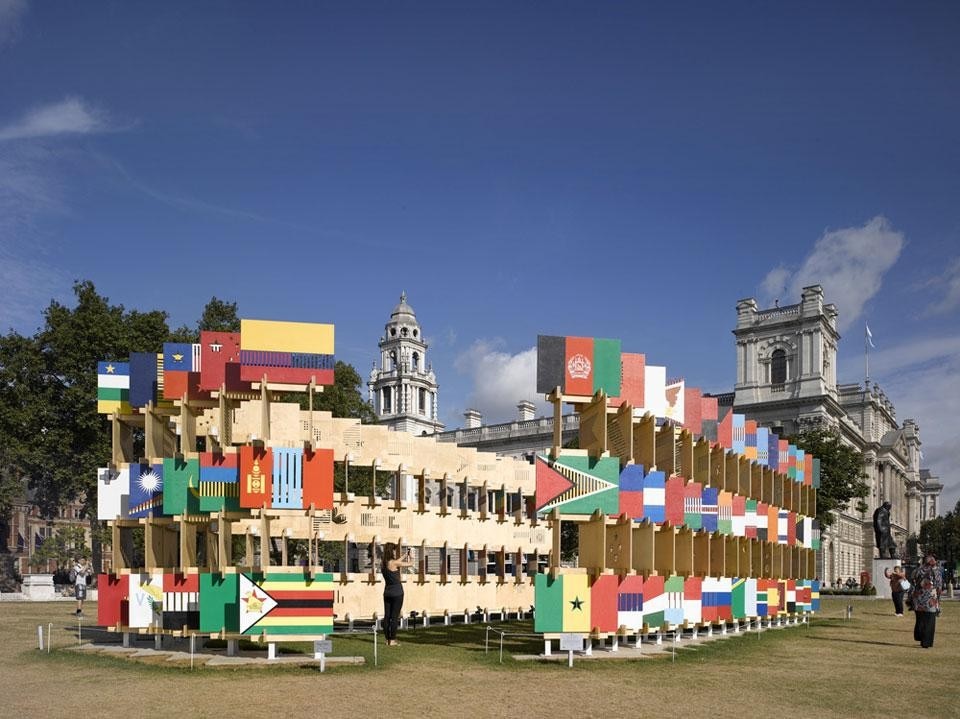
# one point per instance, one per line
(578, 365)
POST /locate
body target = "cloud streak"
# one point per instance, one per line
(849, 263)
(500, 379)
(948, 284)
(71, 116)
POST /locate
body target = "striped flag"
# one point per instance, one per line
(630, 603)
(286, 603)
(113, 388)
(578, 365)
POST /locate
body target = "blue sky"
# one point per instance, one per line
(611, 169)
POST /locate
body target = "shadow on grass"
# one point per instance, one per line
(856, 641)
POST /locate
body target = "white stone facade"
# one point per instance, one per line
(403, 389)
(786, 380)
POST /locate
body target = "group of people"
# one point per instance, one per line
(922, 594)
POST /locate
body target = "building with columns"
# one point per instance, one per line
(787, 381)
(403, 389)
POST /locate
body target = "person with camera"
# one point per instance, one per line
(898, 587)
(78, 575)
(393, 589)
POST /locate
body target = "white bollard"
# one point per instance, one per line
(271, 651)
(233, 647)
(546, 648)
(40, 637)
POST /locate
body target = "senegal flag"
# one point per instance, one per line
(562, 604)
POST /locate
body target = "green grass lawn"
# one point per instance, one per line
(866, 666)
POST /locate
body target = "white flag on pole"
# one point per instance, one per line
(869, 335)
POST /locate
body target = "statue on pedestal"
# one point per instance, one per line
(881, 530)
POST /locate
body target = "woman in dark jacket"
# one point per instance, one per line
(925, 597)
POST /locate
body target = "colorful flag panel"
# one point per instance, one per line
(256, 471)
(578, 365)
(285, 603)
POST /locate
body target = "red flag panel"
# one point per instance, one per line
(318, 479)
(256, 468)
(578, 366)
(603, 603)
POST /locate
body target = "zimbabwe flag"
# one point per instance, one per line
(286, 603)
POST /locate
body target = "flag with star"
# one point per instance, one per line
(280, 603)
(113, 388)
(562, 604)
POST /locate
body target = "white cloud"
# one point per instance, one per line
(500, 380)
(10, 13)
(949, 284)
(849, 263)
(69, 116)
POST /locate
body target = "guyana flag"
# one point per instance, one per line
(286, 603)
(578, 365)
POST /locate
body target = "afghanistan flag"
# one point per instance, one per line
(578, 365)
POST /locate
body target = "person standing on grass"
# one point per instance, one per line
(393, 590)
(81, 570)
(897, 578)
(925, 598)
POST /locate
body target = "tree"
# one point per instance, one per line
(841, 471)
(66, 544)
(941, 535)
(217, 316)
(341, 399)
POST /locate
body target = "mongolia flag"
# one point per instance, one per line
(286, 352)
(578, 365)
(256, 472)
(113, 388)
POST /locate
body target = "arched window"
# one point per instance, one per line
(393, 359)
(778, 367)
(416, 361)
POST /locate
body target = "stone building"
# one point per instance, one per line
(403, 389)
(787, 381)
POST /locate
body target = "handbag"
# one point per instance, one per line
(904, 585)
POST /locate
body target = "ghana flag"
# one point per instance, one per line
(286, 603)
(578, 365)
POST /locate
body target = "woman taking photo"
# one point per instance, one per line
(898, 585)
(393, 590)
